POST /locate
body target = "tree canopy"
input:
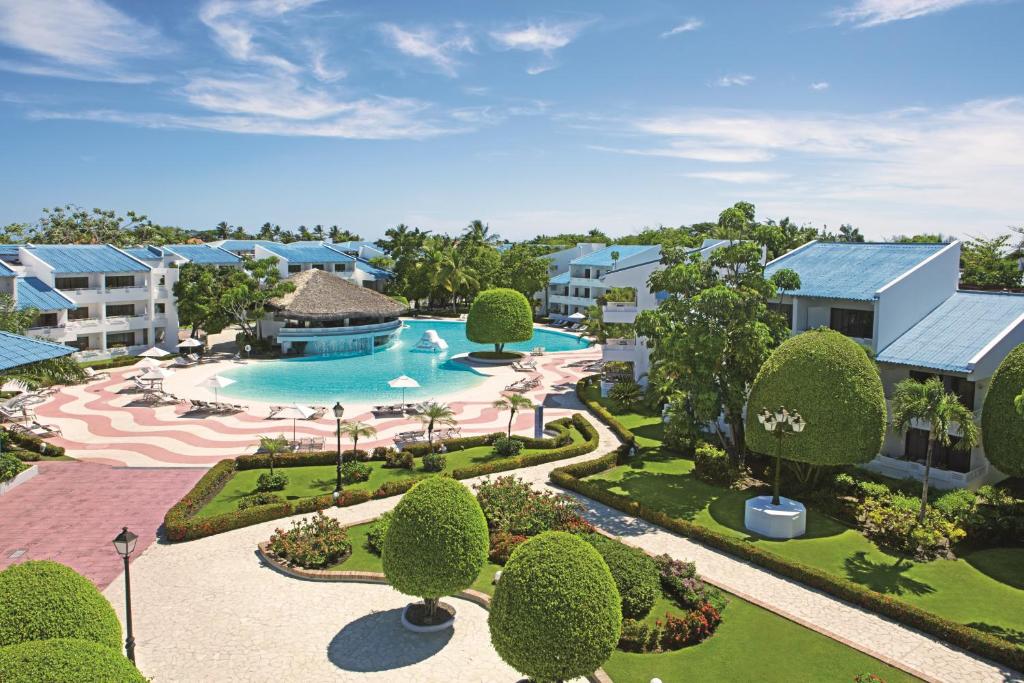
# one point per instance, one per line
(1001, 425)
(499, 317)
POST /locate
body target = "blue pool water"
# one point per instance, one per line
(326, 379)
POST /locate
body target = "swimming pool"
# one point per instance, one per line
(326, 379)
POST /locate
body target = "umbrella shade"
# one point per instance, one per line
(403, 382)
(216, 382)
(152, 352)
(190, 342)
(157, 373)
(148, 362)
(577, 316)
(295, 412)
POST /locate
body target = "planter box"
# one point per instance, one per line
(19, 479)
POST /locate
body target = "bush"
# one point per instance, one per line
(499, 316)
(260, 461)
(10, 467)
(997, 518)
(635, 574)
(680, 580)
(955, 505)
(636, 636)
(30, 442)
(403, 459)
(556, 613)
(381, 452)
(1001, 426)
(693, 628)
(436, 544)
(434, 462)
(353, 472)
(271, 482)
(511, 505)
(892, 524)
(378, 530)
(502, 544)
(314, 543)
(505, 447)
(584, 388)
(626, 395)
(43, 599)
(66, 659)
(256, 499)
(711, 464)
(802, 374)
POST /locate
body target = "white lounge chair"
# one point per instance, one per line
(92, 375)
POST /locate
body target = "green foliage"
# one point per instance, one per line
(556, 613)
(378, 531)
(198, 292)
(257, 499)
(312, 543)
(10, 467)
(830, 381)
(403, 459)
(434, 414)
(635, 573)
(75, 225)
(43, 599)
(619, 294)
(61, 660)
(271, 482)
(1002, 426)
(505, 447)
(434, 462)
(680, 580)
(986, 263)
(13, 319)
(511, 505)
(247, 290)
(627, 395)
(711, 464)
(437, 542)
(896, 527)
(499, 317)
(353, 472)
(524, 269)
(513, 403)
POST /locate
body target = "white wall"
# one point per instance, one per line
(904, 302)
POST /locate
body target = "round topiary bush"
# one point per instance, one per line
(556, 613)
(829, 379)
(65, 659)
(499, 317)
(42, 599)
(635, 574)
(436, 543)
(1002, 427)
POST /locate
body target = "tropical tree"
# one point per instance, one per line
(524, 268)
(626, 394)
(513, 403)
(46, 373)
(479, 232)
(929, 402)
(356, 430)
(434, 414)
(456, 276)
(986, 263)
(499, 317)
(198, 291)
(1001, 423)
(13, 319)
(74, 225)
(249, 288)
(272, 445)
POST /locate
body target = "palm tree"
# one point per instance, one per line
(272, 446)
(223, 230)
(356, 430)
(930, 402)
(455, 275)
(46, 373)
(479, 232)
(513, 403)
(434, 414)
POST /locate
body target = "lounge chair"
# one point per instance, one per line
(274, 410)
(16, 414)
(527, 366)
(318, 412)
(92, 375)
(38, 429)
(539, 351)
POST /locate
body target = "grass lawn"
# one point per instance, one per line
(316, 480)
(983, 588)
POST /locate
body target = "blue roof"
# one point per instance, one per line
(143, 253)
(16, 350)
(5, 271)
(86, 258)
(602, 258)
(367, 267)
(34, 293)
(560, 279)
(955, 331)
(854, 271)
(204, 253)
(242, 245)
(309, 252)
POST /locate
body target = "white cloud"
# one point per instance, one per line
(682, 150)
(819, 85)
(867, 13)
(738, 177)
(321, 70)
(425, 43)
(539, 69)
(691, 24)
(236, 24)
(281, 96)
(735, 79)
(540, 37)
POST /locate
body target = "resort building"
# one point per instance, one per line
(348, 260)
(558, 269)
(578, 288)
(902, 303)
(328, 314)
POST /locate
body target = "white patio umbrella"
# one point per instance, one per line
(403, 382)
(216, 382)
(577, 316)
(189, 343)
(152, 352)
(157, 373)
(148, 362)
(295, 412)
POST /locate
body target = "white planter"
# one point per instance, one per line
(19, 479)
(788, 519)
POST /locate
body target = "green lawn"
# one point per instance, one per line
(316, 480)
(984, 588)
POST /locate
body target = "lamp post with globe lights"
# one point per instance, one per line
(339, 412)
(781, 423)
(124, 543)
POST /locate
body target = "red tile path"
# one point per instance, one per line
(71, 511)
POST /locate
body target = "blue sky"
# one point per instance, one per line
(893, 115)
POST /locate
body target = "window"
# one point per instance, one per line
(961, 386)
(318, 266)
(116, 339)
(80, 343)
(943, 457)
(785, 310)
(294, 268)
(160, 309)
(45, 320)
(162, 281)
(853, 323)
(120, 281)
(114, 310)
(78, 282)
(81, 313)
(339, 267)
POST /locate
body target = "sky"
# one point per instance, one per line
(897, 116)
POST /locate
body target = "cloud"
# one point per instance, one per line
(236, 24)
(691, 24)
(683, 150)
(539, 69)
(540, 37)
(738, 177)
(819, 85)
(735, 79)
(425, 43)
(321, 70)
(275, 96)
(868, 13)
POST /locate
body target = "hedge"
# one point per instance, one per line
(116, 362)
(960, 635)
(569, 451)
(260, 461)
(66, 659)
(602, 413)
(30, 442)
(1001, 427)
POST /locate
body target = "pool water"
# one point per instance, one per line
(326, 379)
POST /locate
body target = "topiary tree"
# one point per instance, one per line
(437, 541)
(635, 574)
(499, 316)
(1002, 427)
(829, 379)
(65, 659)
(43, 599)
(556, 613)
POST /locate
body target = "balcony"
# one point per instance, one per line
(619, 350)
(620, 312)
(84, 324)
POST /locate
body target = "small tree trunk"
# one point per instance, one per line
(927, 474)
(430, 437)
(512, 416)
(431, 608)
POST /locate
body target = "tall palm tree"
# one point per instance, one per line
(930, 402)
(479, 232)
(456, 276)
(434, 414)
(513, 403)
(272, 445)
(356, 430)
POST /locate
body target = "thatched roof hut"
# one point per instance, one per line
(321, 297)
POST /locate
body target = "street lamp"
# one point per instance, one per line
(125, 545)
(781, 422)
(339, 412)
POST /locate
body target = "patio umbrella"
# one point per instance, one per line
(189, 343)
(216, 382)
(295, 412)
(403, 382)
(577, 316)
(148, 362)
(157, 373)
(152, 352)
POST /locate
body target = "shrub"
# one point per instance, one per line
(711, 464)
(955, 505)
(271, 482)
(437, 541)
(1002, 427)
(381, 452)
(44, 599)
(401, 459)
(313, 543)
(802, 374)
(499, 316)
(893, 525)
(378, 530)
(505, 447)
(502, 544)
(996, 518)
(246, 502)
(556, 613)
(695, 627)
(626, 395)
(510, 504)
(635, 574)
(680, 580)
(66, 659)
(434, 462)
(33, 443)
(353, 472)
(10, 467)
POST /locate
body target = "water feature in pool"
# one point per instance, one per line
(364, 378)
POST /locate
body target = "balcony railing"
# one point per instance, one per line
(620, 306)
(621, 343)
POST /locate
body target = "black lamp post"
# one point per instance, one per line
(339, 412)
(125, 545)
(781, 423)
